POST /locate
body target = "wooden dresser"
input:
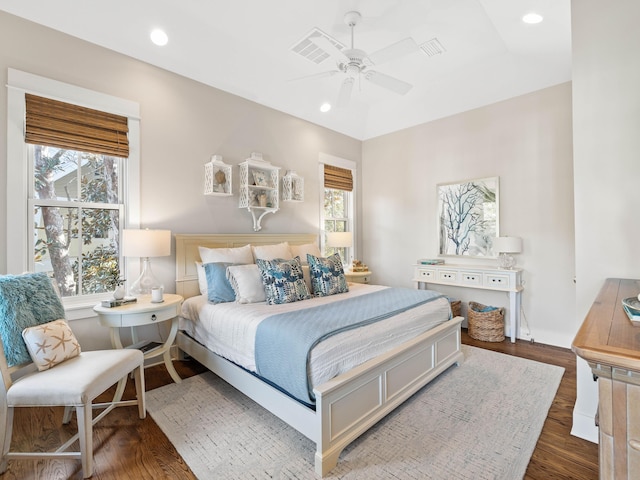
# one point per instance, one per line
(610, 343)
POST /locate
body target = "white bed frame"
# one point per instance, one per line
(347, 405)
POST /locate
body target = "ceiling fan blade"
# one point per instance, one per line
(330, 48)
(345, 92)
(388, 82)
(329, 73)
(393, 51)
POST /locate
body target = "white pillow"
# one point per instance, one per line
(306, 274)
(202, 279)
(271, 252)
(302, 250)
(246, 282)
(50, 343)
(227, 255)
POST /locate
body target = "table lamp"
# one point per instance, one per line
(340, 240)
(505, 247)
(146, 244)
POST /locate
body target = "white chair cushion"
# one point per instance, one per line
(75, 381)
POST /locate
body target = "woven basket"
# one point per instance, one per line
(456, 308)
(485, 326)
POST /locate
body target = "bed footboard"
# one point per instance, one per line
(351, 403)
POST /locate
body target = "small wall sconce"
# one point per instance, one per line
(217, 177)
(292, 187)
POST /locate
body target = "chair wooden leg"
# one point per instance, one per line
(6, 420)
(85, 432)
(140, 392)
(68, 413)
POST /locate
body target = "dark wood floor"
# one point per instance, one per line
(128, 448)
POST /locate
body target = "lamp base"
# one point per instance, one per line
(506, 261)
(146, 281)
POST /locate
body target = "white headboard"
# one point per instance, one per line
(187, 252)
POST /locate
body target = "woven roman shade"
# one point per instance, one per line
(338, 178)
(63, 125)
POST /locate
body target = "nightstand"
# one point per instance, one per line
(358, 277)
(144, 312)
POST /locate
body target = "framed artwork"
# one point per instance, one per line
(468, 214)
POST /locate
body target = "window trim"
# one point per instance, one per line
(19, 83)
(325, 158)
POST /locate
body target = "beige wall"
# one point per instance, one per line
(183, 123)
(606, 112)
(526, 141)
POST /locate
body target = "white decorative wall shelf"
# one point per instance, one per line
(259, 192)
(217, 177)
(292, 187)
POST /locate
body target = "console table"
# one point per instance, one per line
(610, 344)
(477, 276)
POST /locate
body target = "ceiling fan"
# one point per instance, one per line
(355, 64)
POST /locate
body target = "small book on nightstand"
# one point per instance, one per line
(112, 302)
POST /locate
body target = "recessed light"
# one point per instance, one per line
(532, 18)
(159, 37)
(325, 107)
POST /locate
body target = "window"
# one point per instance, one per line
(72, 184)
(337, 201)
(76, 218)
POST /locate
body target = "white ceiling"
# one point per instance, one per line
(244, 47)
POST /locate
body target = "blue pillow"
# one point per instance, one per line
(219, 289)
(327, 275)
(25, 300)
(283, 280)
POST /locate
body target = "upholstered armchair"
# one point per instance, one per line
(42, 365)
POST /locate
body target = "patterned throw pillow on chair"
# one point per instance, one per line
(50, 343)
(283, 280)
(327, 275)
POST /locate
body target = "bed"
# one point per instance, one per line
(345, 405)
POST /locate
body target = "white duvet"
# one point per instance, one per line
(228, 329)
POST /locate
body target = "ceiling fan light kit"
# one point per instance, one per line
(355, 64)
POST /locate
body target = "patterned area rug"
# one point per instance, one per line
(480, 420)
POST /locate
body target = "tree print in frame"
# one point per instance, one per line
(468, 214)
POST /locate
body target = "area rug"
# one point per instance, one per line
(479, 420)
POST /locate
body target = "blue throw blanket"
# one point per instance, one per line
(284, 341)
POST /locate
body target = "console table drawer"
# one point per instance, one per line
(471, 278)
(448, 276)
(497, 281)
(426, 275)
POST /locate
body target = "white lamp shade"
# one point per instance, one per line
(339, 239)
(507, 245)
(146, 243)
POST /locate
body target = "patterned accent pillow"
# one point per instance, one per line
(327, 275)
(283, 280)
(50, 343)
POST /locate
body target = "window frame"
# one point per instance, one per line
(20, 172)
(351, 207)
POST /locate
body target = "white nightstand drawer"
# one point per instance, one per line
(448, 276)
(471, 278)
(145, 318)
(496, 281)
(426, 275)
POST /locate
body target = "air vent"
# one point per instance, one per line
(432, 47)
(310, 50)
